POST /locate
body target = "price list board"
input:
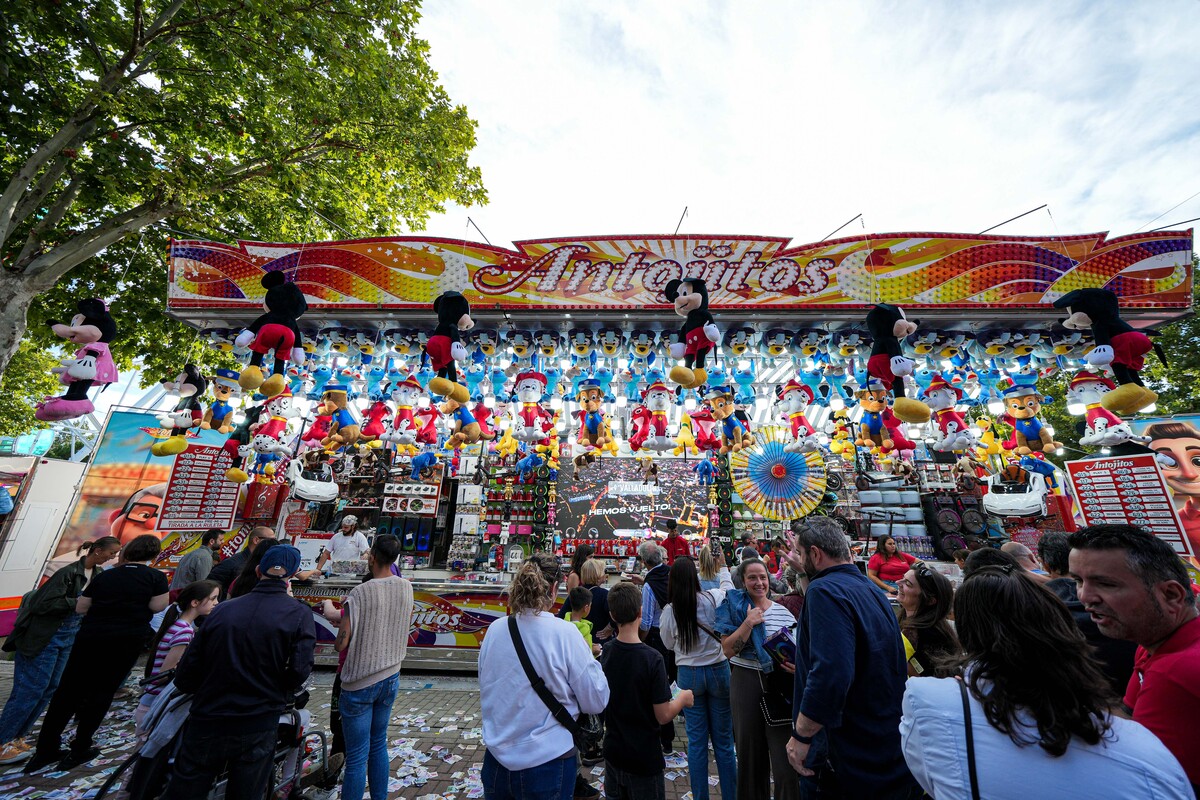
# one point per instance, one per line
(199, 496)
(1127, 490)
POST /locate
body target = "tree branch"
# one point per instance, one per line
(45, 270)
(47, 223)
(45, 184)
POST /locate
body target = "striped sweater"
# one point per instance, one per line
(381, 613)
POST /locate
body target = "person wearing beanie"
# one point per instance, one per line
(245, 664)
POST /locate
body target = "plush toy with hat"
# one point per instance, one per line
(720, 402)
(649, 420)
(1102, 428)
(1022, 403)
(376, 419)
(275, 331)
(344, 430)
(872, 398)
(794, 398)
(464, 428)
(237, 446)
(698, 335)
(594, 431)
(445, 346)
(533, 422)
(91, 330)
(954, 434)
(188, 413)
(1118, 346)
(219, 416)
(887, 326)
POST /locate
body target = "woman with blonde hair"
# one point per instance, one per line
(526, 746)
(709, 571)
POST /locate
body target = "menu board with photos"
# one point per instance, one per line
(1127, 490)
(198, 495)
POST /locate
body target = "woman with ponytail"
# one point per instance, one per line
(529, 754)
(41, 640)
(196, 600)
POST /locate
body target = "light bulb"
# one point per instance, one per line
(996, 407)
(622, 402)
(622, 363)
(572, 439)
(556, 403)
(423, 401)
(1106, 451)
(562, 426)
(1150, 409)
(689, 403)
(836, 403)
(504, 424)
(1076, 409)
(761, 402)
(1049, 429)
(564, 363)
(744, 364)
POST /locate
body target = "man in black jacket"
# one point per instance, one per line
(224, 572)
(1116, 655)
(243, 667)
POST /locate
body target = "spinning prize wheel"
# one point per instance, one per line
(777, 484)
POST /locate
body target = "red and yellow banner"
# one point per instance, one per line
(1148, 270)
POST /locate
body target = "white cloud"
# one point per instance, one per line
(787, 119)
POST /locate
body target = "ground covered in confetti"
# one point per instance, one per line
(435, 744)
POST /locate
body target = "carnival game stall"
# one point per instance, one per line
(480, 402)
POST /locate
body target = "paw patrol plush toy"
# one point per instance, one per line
(533, 422)
(188, 411)
(404, 427)
(1022, 403)
(1102, 428)
(649, 420)
(887, 326)
(954, 433)
(873, 400)
(267, 441)
(445, 346)
(464, 428)
(733, 433)
(593, 432)
(1118, 346)
(92, 329)
(219, 416)
(794, 398)
(237, 446)
(274, 331)
(699, 333)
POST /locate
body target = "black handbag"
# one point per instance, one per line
(776, 702)
(588, 730)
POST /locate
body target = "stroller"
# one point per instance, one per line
(163, 727)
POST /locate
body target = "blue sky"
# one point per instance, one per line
(790, 118)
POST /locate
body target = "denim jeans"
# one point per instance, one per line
(365, 716)
(622, 785)
(554, 780)
(709, 717)
(35, 680)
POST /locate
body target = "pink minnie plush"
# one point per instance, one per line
(276, 331)
(92, 329)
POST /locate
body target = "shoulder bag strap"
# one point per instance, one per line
(557, 710)
(966, 701)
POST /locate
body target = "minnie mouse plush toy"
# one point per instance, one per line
(92, 329)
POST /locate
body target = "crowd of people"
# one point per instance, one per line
(1067, 672)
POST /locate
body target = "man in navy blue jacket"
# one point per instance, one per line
(850, 672)
(247, 661)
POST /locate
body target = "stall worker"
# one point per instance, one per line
(347, 544)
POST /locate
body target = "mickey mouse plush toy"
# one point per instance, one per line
(1118, 346)
(445, 345)
(888, 325)
(275, 330)
(188, 411)
(92, 329)
(699, 333)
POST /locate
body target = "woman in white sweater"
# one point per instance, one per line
(687, 628)
(1040, 722)
(528, 752)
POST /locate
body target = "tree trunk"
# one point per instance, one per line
(17, 297)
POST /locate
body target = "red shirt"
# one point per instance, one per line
(1164, 693)
(894, 568)
(676, 546)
